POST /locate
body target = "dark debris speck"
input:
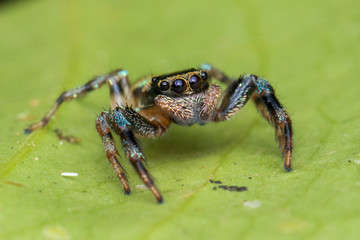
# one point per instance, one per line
(71, 139)
(234, 188)
(215, 181)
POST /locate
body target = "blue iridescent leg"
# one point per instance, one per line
(138, 124)
(104, 130)
(275, 113)
(261, 92)
(124, 125)
(119, 92)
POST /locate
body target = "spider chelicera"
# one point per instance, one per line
(185, 98)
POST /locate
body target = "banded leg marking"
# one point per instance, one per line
(119, 89)
(132, 149)
(262, 93)
(104, 130)
(136, 156)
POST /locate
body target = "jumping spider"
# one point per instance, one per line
(185, 98)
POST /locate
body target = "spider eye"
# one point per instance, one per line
(195, 82)
(178, 86)
(164, 85)
(204, 75)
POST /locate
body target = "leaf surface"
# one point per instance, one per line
(307, 50)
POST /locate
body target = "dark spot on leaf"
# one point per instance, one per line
(215, 181)
(234, 188)
(71, 139)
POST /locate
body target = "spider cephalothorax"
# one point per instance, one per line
(181, 83)
(185, 98)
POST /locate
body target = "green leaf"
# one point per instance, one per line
(308, 50)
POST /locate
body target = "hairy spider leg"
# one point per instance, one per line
(137, 92)
(119, 94)
(150, 122)
(104, 130)
(273, 111)
(263, 95)
(125, 122)
(261, 92)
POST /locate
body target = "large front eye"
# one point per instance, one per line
(164, 85)
(195, 82)
(178, 86)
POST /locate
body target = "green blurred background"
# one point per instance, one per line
(308, 50)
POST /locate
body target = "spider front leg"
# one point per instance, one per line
(119, 94)
(104, 129)
(262, 93)
(125, 122)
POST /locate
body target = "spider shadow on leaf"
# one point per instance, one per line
(190, 142)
